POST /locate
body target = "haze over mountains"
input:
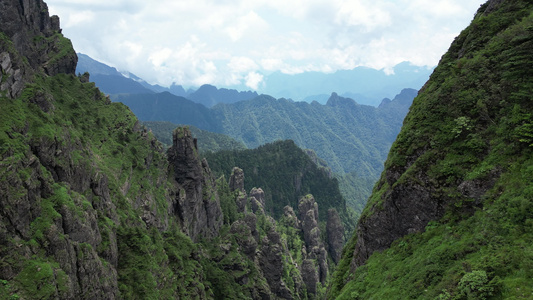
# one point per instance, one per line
(365, 85)
(330, 129)
(353, 139)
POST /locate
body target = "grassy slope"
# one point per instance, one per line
(471, 122)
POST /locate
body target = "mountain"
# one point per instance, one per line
(207, 141)
(92, 207)
(353, 139)
(365, 85)
(209, 95)
(110, 81)
(171, 108)
(451, 216)
(285, 172)
(349, 136)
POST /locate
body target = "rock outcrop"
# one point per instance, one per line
(196, 203)
(236, 181)
(315, 249)
(36, 44)
(92, 207)
(271, 264)
(257, 200)
(335, 235)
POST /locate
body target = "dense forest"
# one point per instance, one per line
(285, 173)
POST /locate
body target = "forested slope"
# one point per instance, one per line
(451, 216)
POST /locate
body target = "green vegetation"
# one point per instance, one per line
(86, 207)
(487, 256)
(354, 188)
(207, 141)
(467, 138)
(350, 137)
(26, 134)
(285, 173)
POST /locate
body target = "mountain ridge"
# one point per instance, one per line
(455, 191)
(365, 85)
(265, 119)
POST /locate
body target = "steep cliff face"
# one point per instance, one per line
(197, 203)
(315, 251)
(466, 137)
(36, 44)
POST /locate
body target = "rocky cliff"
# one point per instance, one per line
(466, 137)
(31, 41)
(91, 207)
(196, 203)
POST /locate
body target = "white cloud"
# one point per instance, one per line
(253, 80)
(250, 23)
(242, 64)
(232, 42)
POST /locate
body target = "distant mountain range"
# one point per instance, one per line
(364, 85)
(349, 136)
(113, 82)
(352, 138)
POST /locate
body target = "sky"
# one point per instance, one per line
(234, 42)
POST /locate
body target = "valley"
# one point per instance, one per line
(120, 189)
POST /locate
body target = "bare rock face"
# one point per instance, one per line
(309, 217)
(309, 275)
(271, 263)
(406, 209)
(37, 38)
(290, 217)
(236, 181)
(259, 195)
(241, 202)
(314, 247)
(257, 200)
(245, 237)
(335, 236)
(196, 203)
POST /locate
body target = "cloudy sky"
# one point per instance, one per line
(232, 42)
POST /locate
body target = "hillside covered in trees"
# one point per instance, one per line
(451, 216)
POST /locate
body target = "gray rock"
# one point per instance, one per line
(335, 235)
(309, 275)
(314, 246)
(36, 37)
(236, 181)
(290, 217)
(271, 263)
(196, 202)
(241, 202)
(256, 206)
(244, 237)
(259, 195)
